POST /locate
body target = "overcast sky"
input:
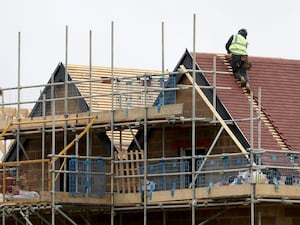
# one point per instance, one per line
(273, 28)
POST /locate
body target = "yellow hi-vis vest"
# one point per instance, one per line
(238, 45)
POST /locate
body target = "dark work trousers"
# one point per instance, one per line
(239, 68)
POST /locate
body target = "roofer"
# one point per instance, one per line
(237, 47)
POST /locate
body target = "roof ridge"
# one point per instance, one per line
(267, 122)
(255, 56)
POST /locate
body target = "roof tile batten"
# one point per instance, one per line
(102, 86)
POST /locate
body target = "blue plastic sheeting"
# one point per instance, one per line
(166, 176)
(87, 178)
(166, 97)
(205, 178)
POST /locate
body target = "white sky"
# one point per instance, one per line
(272, 25)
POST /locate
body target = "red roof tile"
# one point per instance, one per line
(279, 82)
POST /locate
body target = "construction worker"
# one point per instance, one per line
(237, 47)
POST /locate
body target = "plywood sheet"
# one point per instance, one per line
(64, 197)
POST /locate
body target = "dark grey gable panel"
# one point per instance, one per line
(59, 76)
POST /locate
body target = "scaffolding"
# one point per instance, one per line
(68, 182)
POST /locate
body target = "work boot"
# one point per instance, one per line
(243, 81)
(248, 87)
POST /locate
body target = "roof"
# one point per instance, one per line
(128, 83)
(278, 81)
(128, 87)
(276, 78)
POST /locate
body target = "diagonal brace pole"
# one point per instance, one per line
(208, 153)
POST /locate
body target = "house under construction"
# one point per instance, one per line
(127, 146)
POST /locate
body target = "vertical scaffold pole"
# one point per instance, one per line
(19, 75)
(3, 215)
(259, 119)
(66, 74)
(88, 143)
(66, 106)
(19, 99)
(252, 161)
(193, 121)
(163, 71)
(2, 103)
(112, 128)
(88, 139)
(251, 121)
(53, 153)
(145, 151)
(214, 85)
(43, 142)
(90, 72)
(162, 47)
